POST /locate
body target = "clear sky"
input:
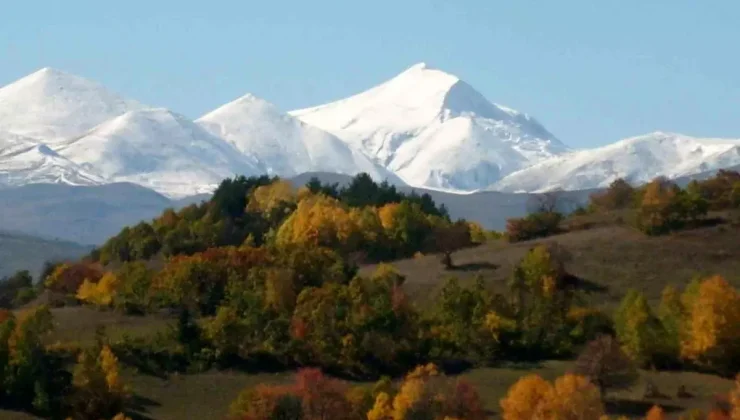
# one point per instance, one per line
(591, 71)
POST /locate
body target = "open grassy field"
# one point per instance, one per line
(608, 259)
(208, 395)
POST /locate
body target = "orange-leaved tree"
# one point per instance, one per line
(713, 336)
(570, 397)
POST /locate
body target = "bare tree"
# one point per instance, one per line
(555, 201)
(606, 365)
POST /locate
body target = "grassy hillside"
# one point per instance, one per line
(609, 260)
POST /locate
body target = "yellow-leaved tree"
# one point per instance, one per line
(98, 389)
(713, 336)
(320, 221)
(100, 293)
(267, 198)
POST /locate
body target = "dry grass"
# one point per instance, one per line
(78, 324)
(611, 260)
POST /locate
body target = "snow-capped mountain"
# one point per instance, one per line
(637, 160)
(283, 145)
(51, 106)
(25, 161)
(424, 126)
(160, 150)
(434, 130)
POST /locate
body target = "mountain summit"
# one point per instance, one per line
(635, 159)
(50, 105)
(435, 130)
(158, 149)
(283, 145)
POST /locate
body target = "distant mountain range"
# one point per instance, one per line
(24, 252)
(424, 128)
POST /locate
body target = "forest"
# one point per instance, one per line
(269, 277)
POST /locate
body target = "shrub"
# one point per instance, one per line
(533, 226)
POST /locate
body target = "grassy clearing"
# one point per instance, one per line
(78, 324)
(610, 260)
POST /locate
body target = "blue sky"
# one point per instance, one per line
(591, 71)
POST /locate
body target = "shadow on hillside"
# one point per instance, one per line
(474, 266)
(138, 407)
(585, 285)
(632, 408)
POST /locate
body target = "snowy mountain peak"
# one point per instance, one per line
(51, 105)
(435, 130)
(636, 159)
(283, 145)
(159, 149)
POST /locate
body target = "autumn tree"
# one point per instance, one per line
(101, 293)
(655, 413)
(98, 389)
(320, 221)
(31, 379)
(448, 239)
(712, 335)
(67, 278)
(570, 397)
(605, 364)
(426, 394)
(665, 207)
(406, 225)
(718, 190)
(619, 195)
(525, 398)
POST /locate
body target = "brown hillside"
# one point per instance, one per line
(610, 260)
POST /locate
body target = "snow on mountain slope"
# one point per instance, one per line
(25, 161)
(637, 160)
(434, 130)
(51, 105)
(283, 145)
(160, 150)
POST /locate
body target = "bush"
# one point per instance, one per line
(533, 226)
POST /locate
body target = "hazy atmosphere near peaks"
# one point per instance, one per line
(592, 73)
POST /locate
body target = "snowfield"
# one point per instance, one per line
(637, 160)
(283, 145)
(434, 130)
(51, 106)
(424, 127)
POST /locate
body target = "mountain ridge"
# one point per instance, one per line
(51, 105)
(435, 130)
(424, 127)
(636, 159)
